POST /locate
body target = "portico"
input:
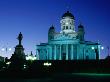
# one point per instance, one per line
(62, 52)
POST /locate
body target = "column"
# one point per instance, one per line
(47, 55)
(54, 52)
(50, 53)
(66, 51)
(83, 53)
(60, 53)
(75, 52)
(98, 48)
(38, 53)
(72, 52)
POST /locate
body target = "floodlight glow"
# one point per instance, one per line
(34, 58)
(8, 63)
(3, 49)
(27, 58)
(67, 23)
(102, 48)
(93, 48)
(31, 58)
(24, 65)
(47, 64)
(9, 49)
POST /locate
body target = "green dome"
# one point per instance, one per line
(68, 14)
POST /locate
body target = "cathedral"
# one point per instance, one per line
(68, 44)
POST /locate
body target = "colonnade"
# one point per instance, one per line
(59, 47)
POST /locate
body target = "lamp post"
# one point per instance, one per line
(108, 50)
(5, 49)
(97, 51)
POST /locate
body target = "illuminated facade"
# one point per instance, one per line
(68, 44)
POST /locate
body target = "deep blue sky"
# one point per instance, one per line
(34, 17)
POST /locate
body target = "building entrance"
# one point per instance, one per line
(64, 56)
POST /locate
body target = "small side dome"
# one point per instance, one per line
(68, 14)
(52, 27)
(80, 26)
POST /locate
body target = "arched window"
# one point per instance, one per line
(63, 27)
(70, 27)
(66, 27)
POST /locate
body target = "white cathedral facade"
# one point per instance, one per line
(68, 44)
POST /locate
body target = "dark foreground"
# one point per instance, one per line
(67, 71)
(65, 77)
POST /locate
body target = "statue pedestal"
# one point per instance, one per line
(18, 58)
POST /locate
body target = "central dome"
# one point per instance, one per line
(68, 14)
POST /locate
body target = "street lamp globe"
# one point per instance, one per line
(3, 49)
(102, 48)
(92, 48)
(9, 49)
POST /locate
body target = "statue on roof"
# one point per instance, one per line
(20, 37)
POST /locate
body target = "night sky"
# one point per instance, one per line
(34, 17)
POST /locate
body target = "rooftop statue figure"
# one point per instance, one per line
(20, 37)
